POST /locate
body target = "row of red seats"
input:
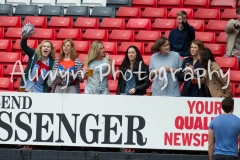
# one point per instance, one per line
(185, 3)
(82, 47)
(106, 35)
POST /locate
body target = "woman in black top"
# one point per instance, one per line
(130, 82)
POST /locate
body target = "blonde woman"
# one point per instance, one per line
(68, 70)
(97, 60)
(40, 62)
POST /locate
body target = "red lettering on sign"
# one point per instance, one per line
(206, 107)
(176, 139)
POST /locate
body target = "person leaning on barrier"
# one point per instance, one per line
(67, 70)
(132, 84)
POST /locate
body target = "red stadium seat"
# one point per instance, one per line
(37, 21)
(1, 70)
(211, 26)
(117, 59)
(96, 34)
(60, 22)
(146, 59)
(10, 21)
(44, 33)
(154, 13)
(82, 47)
(235, 76)
(128, 12)
(82, 57)
(122, 35)
(217, 49)
(223, 4)
(144, 3)
(170, 3)
(164, 24)
(166, 34)
(222, 38)
(32, 43)
(124, 46)
(16, 84)
(85, 23)
(112, 85)
(227, 62)
(112, 23)
(9, 69)
(174, 11)
(72, 33)
(197, 24)
(25, 59)
(206, 37)
(5, 45)
(148, 48)
(196, 3)
(9, 57)
(57, 44)
(110, 47)
(13, 33)
(1, 32)
(207, 14)
(139, 24)
(228, 14)
(5, 84)
(147, 36)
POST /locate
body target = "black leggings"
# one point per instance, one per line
(224, 157)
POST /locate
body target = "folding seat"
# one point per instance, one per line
(174, 11)
(112, 85)
(119, 3)
(37, 21)
(170, 3)
(139, 24)
(211, 26)
(9, 57)
(223, 4)
(148, 48)
(118, 59)
(1, 32)
(154, 13)
(222, 38)
(95, 34)
(235, 76)
(102, 12)
(110, 47)
(94, 3)
(164, 24)
(207, 14)
(16, 84)
(166, 34)
(217, 49)
(228, 14)
(60, 22)
(68, 3)
(41, 3)
(206, 37)
(25, 59)
(44, 33)
(124, 46)
(196, 3)
(10, 21)
(13, 33)
(85, 23)
(10, 69)
(128, 12)
(50, 11)
(82, 58)
(5, 45)
(112, 23)
(71, 33)
(144, 3)
(147, 36)
(146, 59)
(57, 44)
(227, 62)
(26, 10)
(16, 2)
(82, 47)
(6, 9)
(122, 35)
(32, 43)
(5, 84)
(1, 70)
(77, 11)
(198, 25)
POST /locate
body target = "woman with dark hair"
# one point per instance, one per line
(131, 83)
(162, 64)
(214, 83)
(191, 89)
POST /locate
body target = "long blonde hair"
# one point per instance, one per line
(39, 48)
(73, 54)
(93, 52)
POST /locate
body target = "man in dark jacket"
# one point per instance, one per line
(181, 36)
